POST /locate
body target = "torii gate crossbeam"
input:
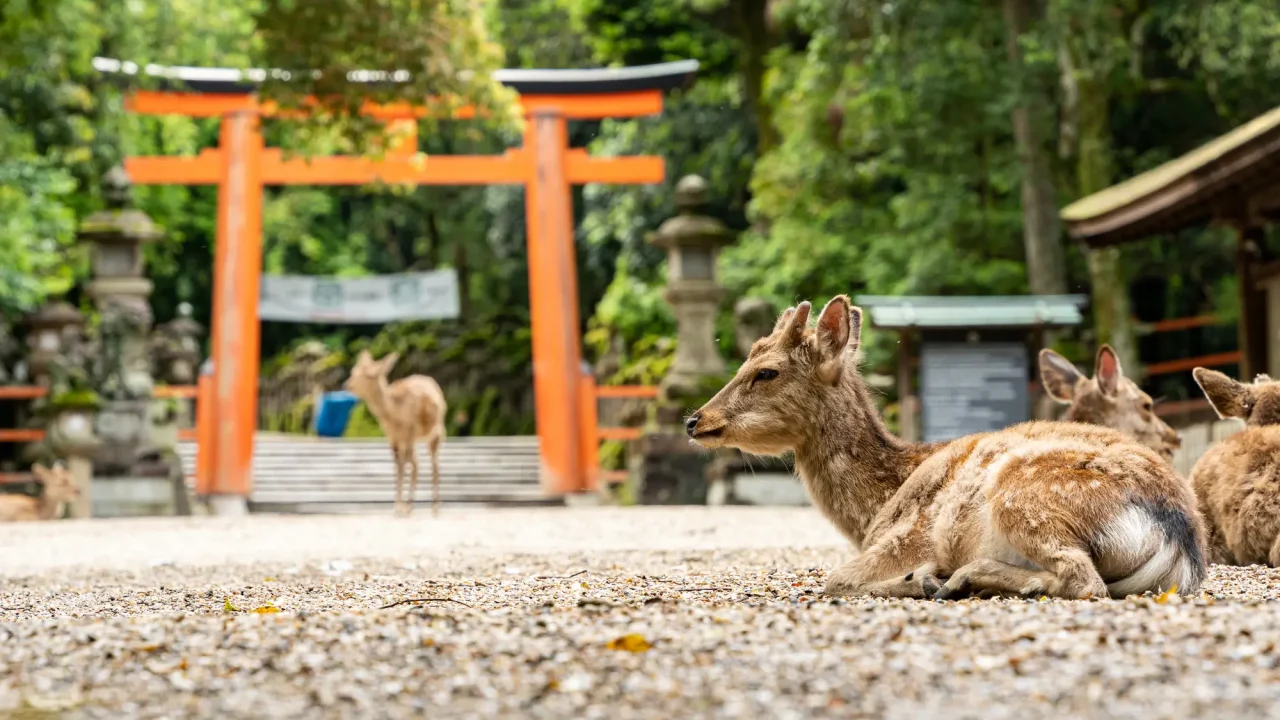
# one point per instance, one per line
(241, 166)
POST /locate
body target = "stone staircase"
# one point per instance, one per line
(305, 474)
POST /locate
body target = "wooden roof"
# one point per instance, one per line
(1228, 177)
(935, 312)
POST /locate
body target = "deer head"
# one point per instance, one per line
(1257, 404)
(59, 486)
(1108, 399)
(784, 391)
(369, 376)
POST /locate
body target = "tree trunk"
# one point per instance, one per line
(755, 38)
(462, 266)
(1041, 230)
(1094, 163)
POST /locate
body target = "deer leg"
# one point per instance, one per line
(434, 446)
(1273, 557)
(899, 564)
(413, 481)
(1069, 574)
(987, 577)
(399, 460)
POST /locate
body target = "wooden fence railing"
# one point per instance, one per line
(595, 434)
(1168, 367)
(34, 392)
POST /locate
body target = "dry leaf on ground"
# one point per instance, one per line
(633, 643)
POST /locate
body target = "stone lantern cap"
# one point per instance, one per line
(54, 315)
(690, 228)
(120, 223)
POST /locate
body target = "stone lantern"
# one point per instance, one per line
(116, 236)
(180, 352)
(46, 330)
(671, 471)
(692, 241)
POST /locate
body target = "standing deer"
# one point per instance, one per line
(59, 488)
(1108, 399)
(1237, 482)
(1040, 508)
(408, 410)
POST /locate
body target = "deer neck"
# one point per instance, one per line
(850, 463)
(377, 400)
(48, 508)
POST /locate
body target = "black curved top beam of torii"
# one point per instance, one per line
(663, 77)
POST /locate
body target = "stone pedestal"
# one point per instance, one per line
(672, 471)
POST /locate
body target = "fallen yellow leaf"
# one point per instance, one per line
(266, 609)
(633, 643)
(228, 607)
(1163, 597)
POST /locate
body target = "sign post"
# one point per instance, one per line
(972, 388)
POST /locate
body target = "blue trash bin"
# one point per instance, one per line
(334, 413)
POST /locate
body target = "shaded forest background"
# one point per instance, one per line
(905, 147)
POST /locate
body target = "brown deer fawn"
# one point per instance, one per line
(1237, 482)
(1041, 508)
(1108, 399)
(59, 488)
(408, 410)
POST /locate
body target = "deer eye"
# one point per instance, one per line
(1147, 406)
(766, 374)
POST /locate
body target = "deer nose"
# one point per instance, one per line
(691, 423)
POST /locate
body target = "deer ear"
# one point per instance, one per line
(1107, 370)
(834, 331)
(1058, 375)
(793, 329)
(389, 361)
(364, 358)
(1228, 397)
(834, 328)
(784, 319)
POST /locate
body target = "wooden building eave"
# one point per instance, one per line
(1232, 178)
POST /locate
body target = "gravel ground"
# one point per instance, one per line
(558, 613)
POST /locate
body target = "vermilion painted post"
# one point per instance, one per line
(590, 432)
(553, 306)
(206, 435)
(237, 273)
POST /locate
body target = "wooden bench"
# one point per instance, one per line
(294, 473)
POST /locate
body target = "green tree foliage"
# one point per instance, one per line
(859, 147)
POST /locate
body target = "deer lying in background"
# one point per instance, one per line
(1053, 508)
(408, 410)
(1237, 482)
(59, 488)
(1108, 399)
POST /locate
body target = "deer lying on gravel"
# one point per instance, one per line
(59, 488)
(1108, 399)
(1041, 508)
(1237, 482)
(408, 410)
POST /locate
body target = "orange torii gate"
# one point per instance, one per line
(241, 166)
